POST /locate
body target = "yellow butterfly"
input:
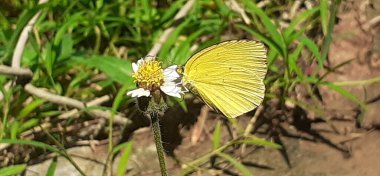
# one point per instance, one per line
(228, 77)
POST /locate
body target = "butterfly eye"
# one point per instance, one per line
(180, 70)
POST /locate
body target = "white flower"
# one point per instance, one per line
(149, 75)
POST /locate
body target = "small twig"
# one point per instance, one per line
(4, 146)
(53, 97)
(309, 4)
(199, 126)
(181, 14)
(250, 125)
(118, 119)
(371, 23)
(19, 49)
(95, 102)
(363, 10)
(355, 136)
(36, 129)
(13, 71)
(236, 7)
(295, 9)
(39, 92)
(20, 46)
(99, 100)
(91, 142)
(262, 4)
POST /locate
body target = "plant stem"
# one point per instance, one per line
(158, 141)
(358, 82)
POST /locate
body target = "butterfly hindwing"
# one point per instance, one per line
(229, 76)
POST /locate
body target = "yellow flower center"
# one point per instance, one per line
(150, 75)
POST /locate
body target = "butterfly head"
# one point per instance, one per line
(180, 70)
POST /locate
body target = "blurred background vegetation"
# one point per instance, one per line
(76, 69)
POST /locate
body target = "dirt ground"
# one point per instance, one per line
(320, 150)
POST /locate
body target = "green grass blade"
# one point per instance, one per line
(15, 129)
(29, 124)
(345, 93)
(350, 96)
(302, 17)
(30, 108)
(42, 146)
(253, 140)
(237, 164)
(272, 57)
(324, 13)
(313, 47)
(262, 37)
(3, 38)
(119, 97)
(6, 103)
(71, 22)
(173, 101)
(21, 23)
(52, 167)
(330, 30)
(31, 143)
(119, 147)
(167, 46)
(123, 163)
(334, 69)
(4, 22)
(115, 68)
(115, 105)
(364, 82)
(183, 53)
(65, 47)
(269, 25)
(171, 11)
(49, 57)
(146, 9)
(189, 167)
(216, 137)
(223, 9)
(293, 57)
(12, 170)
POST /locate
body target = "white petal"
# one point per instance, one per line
(135, 67)
(139, 93)
(139, 62)
(170, 73)
(172, 89)
(173, 67)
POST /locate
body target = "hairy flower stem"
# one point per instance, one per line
(157, 139)
(154, 107)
